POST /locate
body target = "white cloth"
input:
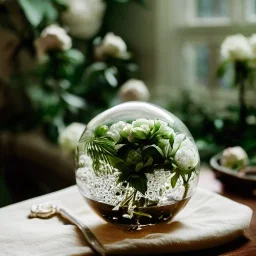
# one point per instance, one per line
(208, 220)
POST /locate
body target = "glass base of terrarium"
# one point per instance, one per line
(158, 214)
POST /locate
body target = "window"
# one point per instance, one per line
(195, 29)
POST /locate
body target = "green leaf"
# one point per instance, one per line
(149, 161)
(119, 146)
(100, 150)
(223, 68)
(93, 72)
(154, 151)
(74, 56)
(139, 166)
(50, 12)
(110, 76)
(35, 94)
(133, 157)
(106, 145)
(115, 161)
(174, 179)
(62, 3)
(139, 182)
(33, 10)
(73, 100)
(125, 173)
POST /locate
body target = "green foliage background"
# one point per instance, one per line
(72, 85)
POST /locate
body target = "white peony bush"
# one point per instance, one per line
(52, 37)
(134, 90)
(236, 48)
(69, 137)
(84, 17)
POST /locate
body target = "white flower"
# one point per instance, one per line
(187, 156)
(252, 42)
(177, 142)
(165, 130)
(236, 48)
(118, 130)
(134, 90)
(111, 45)
(52, 37)
(142, 127)
(70, 136)
(84, 17)
(234, 158)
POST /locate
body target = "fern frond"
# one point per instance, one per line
(99, 149)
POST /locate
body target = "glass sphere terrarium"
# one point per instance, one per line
(137, 164)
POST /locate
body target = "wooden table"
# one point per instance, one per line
(245, 246)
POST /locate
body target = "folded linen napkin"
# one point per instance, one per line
(208, 220)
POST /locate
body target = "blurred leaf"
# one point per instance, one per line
(174, 179)
(73, 56)
(35, 94)
(38, 10)
(110, 76)
(64, 84)
(33, 10)
(92, 74)
(50, 11)
(223, 68)
(62, 3)
(132, 67)
(73, 100)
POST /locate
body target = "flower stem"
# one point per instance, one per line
(186, 186)
(241, 76)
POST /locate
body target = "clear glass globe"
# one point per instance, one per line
(137, 164)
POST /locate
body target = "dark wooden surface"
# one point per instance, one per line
(244, 246)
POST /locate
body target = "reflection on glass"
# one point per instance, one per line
(211, 8)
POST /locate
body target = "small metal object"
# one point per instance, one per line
(47, 210)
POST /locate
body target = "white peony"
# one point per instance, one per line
(119, 130)
(134, 90)
(141, 128)
(187, 156)
(111, 45)
(236, 48)
(52, 37)
(84, 17)
(234, 158)
(69, 137)
(252, 42)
